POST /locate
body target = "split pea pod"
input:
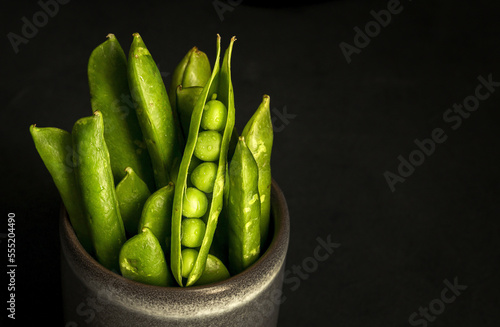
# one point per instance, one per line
(109, 92)
(188, 80)
(55, 147)
(142, 260)
(190, 202)
(153, 112)
(258, 134)
(243, 209)
(131, 193)
(95, 178)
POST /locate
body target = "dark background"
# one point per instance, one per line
(348, 123)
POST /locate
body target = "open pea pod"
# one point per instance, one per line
(218, 86)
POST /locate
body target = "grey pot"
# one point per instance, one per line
(95, 296)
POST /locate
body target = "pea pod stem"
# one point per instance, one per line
(95, 178)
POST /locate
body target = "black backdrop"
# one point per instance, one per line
(348, 107)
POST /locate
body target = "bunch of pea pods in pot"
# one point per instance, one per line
(164, 191)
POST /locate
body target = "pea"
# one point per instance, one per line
(193, 231)
(203, 176)
(188, 259)
(214, 116)
(195, 203)
(208, 146)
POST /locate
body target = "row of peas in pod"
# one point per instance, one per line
(160, 187)
(202, 179)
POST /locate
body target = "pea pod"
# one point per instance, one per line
(142, 260)
(186, 98)
(109, 91)
(157, 215)
(188, 79)
(215, 271)
(153, 111)
(192, 70)
(94, 175)
(55, 147)
(219, 84)
(258, 134)
(243, 209)
(132, 193)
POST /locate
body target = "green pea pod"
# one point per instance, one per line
(94, 175)
(220, 245)
(55, 147)
(258, 134)
(132, 193)
(153, 111)
(157, 215)
(109, 91)
(243, 209)
(186, 100)
(142, 260)
(222, 86)
(192, 70)
(188, 79)
(215, 271)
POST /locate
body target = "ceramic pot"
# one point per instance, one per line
(95, 296)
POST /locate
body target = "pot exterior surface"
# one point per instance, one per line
(95, 296)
